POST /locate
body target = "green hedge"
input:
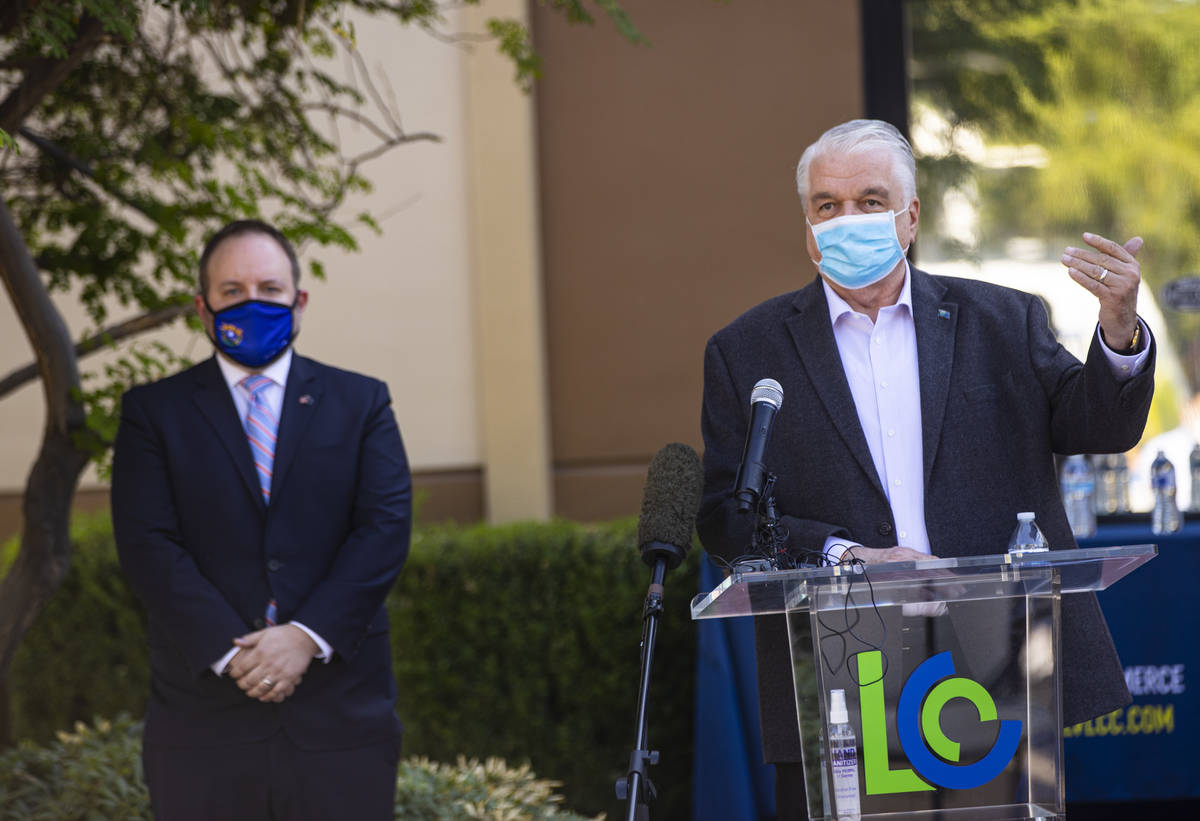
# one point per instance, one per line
(520, 642)
(95, 773)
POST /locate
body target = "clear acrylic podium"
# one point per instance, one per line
(950, 671)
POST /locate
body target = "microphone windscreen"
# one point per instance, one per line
(769, 391)
(674, 483)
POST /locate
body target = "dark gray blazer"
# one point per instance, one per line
(999, 396)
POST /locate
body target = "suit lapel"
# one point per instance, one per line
(216, 406)
(300, 401)
(812, 334)
(935, 322)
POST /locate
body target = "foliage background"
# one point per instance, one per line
(96, 772)
(1106, 89)
(518, 641)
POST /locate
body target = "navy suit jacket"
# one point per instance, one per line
(999, 396)
(205, 553)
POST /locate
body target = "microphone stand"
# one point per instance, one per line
(636, 787)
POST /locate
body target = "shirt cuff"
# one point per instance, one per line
(326, 654)
(1127, 367)
(220, 664)
(835, 548)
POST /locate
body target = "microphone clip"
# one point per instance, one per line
(769, 539)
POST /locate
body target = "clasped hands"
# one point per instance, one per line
(271, 662)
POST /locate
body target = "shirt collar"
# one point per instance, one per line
(277, 371)
(838, 307)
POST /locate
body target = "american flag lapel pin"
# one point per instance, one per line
(305, 399)
(942, 314)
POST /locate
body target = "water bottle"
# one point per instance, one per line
(1027, 538)
(1165, 518)
(1194, 464)
(1122, 465)
(1107, 497)
(1078, 487)
(843, 753)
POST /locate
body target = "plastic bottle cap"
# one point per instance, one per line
(1027, 516)
(837, 707)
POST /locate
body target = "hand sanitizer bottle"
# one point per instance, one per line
(843, 753)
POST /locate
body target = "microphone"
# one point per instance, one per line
(765, 400)
(674, 483)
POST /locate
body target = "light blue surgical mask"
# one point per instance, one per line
(858, 250)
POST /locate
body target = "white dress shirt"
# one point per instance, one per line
(272, 395)
(880, 362)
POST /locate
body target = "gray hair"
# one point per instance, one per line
(857, 134)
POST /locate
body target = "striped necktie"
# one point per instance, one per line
(261, 427)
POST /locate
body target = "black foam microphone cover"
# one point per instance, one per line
(674, 483)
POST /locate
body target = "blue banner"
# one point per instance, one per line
(1154, 622)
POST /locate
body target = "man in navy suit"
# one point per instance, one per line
(261, 505)
(922, 412)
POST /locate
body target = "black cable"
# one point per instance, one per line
(859, 569)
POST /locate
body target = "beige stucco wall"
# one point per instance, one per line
(402, 309)
(547, 275)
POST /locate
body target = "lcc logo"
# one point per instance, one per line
(933, 756)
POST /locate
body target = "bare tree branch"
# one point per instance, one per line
(62, 157)
(393, 118)
(89, 345)
(339, 111)
(386, 145)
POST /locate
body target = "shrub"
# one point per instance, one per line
(428, 791)
(86, 655)
(96, 773)
(519, 642)
(92, 773)
(522, 641)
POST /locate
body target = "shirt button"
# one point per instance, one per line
(897, 482)
(903, 534)
(883, 383)
(891, 431)
(274, 565)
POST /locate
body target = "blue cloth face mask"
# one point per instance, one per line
(253, 333)
(858, 250)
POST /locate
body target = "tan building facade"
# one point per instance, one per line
(547, 275)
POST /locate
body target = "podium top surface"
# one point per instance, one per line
(753, 592)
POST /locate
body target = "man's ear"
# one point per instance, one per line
(914, 214)
(202, 311)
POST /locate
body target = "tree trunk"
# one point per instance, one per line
(45, 550)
